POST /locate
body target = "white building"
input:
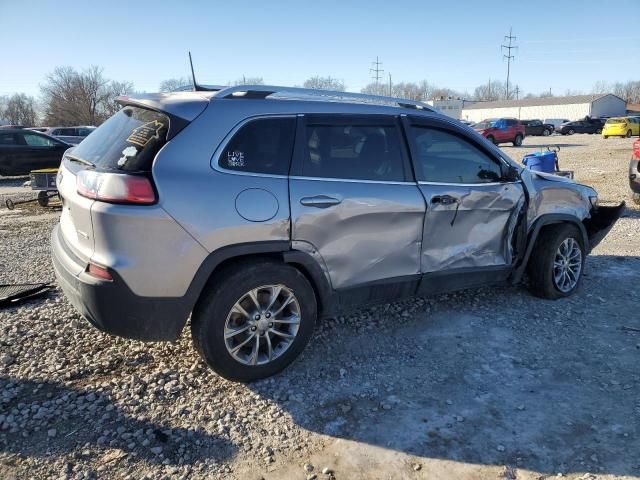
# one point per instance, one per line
(572, 108)
(450, 106)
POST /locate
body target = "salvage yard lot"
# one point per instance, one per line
(486, 384)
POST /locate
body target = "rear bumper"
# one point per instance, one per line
(111, 306)
(602, 220)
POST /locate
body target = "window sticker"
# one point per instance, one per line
(235, 159)
(127, 154)
(145, 133)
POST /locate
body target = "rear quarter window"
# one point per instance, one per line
(128, 141)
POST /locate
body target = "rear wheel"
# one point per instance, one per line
(571, 131)
(606, 136)
(492, 140)
(557, 261)
(546, 132)
(599, 131)
(517, 141)
(254, 320)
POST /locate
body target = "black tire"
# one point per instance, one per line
(210, 315)
(599, 131)
(43, 199)
(628, 135)
(546, 132)
(571, 131)
(517, 142)
(606, 136)
(492, 140)
(541, 263)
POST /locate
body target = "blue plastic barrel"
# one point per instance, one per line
(541, 161)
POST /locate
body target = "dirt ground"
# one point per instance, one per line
(483, 384)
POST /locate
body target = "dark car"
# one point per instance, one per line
(593, 125)
(23, 150)
(501, 130)
(536, 127)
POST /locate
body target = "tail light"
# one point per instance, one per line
(115, 187)
(99, 272)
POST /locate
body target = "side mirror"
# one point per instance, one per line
(511, 173)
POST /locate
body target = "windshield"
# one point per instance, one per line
(128, 141)
(616, 120)
(491, 123)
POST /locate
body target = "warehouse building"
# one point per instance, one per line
(572, 108)
(450, 106)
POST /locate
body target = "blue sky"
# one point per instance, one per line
(562, 45)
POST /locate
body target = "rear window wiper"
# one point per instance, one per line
(80, 160)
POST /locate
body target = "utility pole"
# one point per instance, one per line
(517, 92)
(376, 71)
(390, 85)
(510, 38)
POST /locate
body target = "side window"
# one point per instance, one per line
(443, 157)
(264, 145)
(352, 151)
(8, 139)
(34, 140)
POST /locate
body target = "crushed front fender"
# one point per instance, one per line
(601, 222)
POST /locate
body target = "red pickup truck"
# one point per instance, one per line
(501, 130)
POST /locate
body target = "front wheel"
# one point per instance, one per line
(628, 135)
(492, 140)
(571, 131)
(546, 132)
(599, 131)
(517, 141)
(254, 320)
(606, 136)
(557, 261)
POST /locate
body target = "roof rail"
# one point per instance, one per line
(295, 93)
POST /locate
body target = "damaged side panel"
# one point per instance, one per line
(362, 231)
(469, 226)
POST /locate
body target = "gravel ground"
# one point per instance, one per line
(486, 384)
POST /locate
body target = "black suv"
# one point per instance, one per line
(593, 125)
(536, 127)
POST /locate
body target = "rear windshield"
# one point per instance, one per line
(616, 120)
(127, 141)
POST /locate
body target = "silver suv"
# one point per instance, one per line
(257, 210)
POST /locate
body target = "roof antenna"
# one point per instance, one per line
(193, 75)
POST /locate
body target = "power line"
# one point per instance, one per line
(376, 70)
(508, 56)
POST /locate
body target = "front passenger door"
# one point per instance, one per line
(472, 209)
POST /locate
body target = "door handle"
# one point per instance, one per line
(444, 199)
(319, 201)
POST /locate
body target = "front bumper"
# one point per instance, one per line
(614, 132)
(111, 306)
(602, 220)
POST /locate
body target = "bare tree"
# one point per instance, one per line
(247, 81)
(80, 98)
(19, 109)
(172, 84)
(376, 89)
(490, 91)
(325, 83)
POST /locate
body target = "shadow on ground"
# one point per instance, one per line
(500, 379)
(63, 420)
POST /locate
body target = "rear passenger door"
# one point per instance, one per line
(472, 208)
(354, 204)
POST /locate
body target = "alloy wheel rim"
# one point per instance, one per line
(567, 265)
(262, 325)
